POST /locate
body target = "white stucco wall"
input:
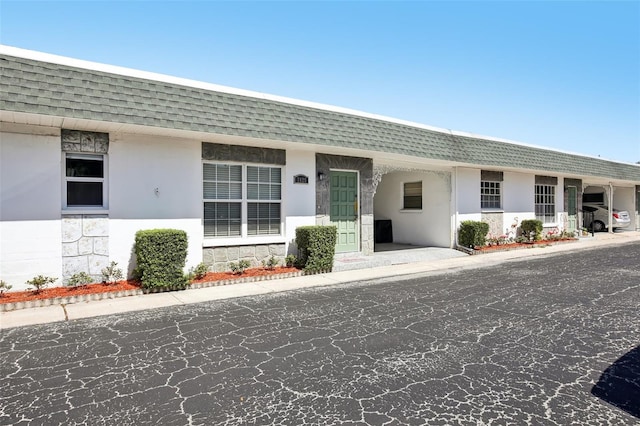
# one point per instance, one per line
(30, 203)
(429, 226)
(623, 199)
(299, 199)
(518, 197)
(137, 166)
(467, 194)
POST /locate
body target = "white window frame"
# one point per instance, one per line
(412, 209)
(496, 186)
(548, 199)
(244, 237)
(66, 179)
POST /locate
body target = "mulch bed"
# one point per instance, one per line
(515, 246)
(54, 292)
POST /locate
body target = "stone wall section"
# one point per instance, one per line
(495, 221)
(85, 245)
(79, 141)
(219, 259)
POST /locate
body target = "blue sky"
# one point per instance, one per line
(562, 75)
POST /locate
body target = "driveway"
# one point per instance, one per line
(550, 340)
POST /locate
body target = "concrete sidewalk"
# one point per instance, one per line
(74, 311)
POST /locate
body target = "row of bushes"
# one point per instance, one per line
(161, 255)
(474, 234)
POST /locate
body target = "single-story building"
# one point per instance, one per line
(90, 154)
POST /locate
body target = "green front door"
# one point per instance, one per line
(344, 209)
(572, 210)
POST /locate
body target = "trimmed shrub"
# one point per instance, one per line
(532, 225)
(472, 233)
(40, 282)
(239, 267)
(161, 255)
(4, 287)
(316, 247)
(198, 271)
(80, 279)
(291, 260)
(112, 274)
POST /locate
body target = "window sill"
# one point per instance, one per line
(491, 210)
(410, 210)
(69, 212)
(240, 241)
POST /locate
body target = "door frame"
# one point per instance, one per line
(358, 213)
(577, 209)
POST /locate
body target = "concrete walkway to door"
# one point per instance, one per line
(388, 254)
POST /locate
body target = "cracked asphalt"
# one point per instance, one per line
(551, 340)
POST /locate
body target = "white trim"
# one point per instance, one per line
(244, 238)
(358, 213)
(104, 179)
(129, 72)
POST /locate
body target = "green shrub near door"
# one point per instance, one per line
(316, 247)
(161, 255)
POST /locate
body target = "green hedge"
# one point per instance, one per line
(316, 247)
(472, 233)
(161, 256)
(532, 225)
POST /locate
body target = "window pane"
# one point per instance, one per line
(253, 174)
(263, 218)
(221, 219)
(90, 166)
(276, 175)
(84, 194)
(265, 175)
(209, 171)
(209, 190)
(222, 172)
(235, 173)
(412, 195)
(252, 191)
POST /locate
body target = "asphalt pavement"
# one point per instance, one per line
(438, 262)
(550, 336)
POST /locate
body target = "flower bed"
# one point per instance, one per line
(63, 295)
(505, 246)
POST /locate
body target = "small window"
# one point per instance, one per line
(84, 180)
(412, 197)
(490, 195)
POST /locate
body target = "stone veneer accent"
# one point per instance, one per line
(495, 221)
(324, 164)
(85, 245)
(241, 153)
(85, 237)
(219, 258)
(79, 141)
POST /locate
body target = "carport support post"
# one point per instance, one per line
(610, 212)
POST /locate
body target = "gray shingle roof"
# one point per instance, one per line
(45, 88)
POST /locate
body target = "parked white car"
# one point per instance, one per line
(621, 219)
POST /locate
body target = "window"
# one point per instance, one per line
(412, 196)
(546, 203)
(241, 200)
(84, 180)
(490, 196)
